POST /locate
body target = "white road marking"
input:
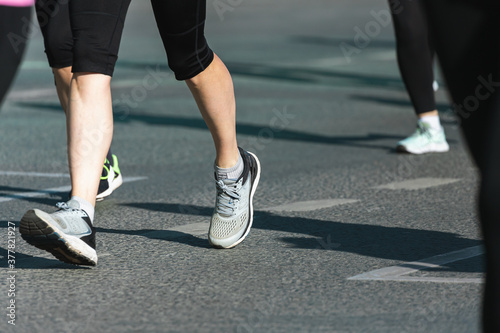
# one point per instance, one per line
(329, 62)
(53, 190)
(383, 55)
(21, 95)
(27, 94)
(325, 62)
(34, 174)
(305, 206)
(417, 184)
(35, 64)
(398, 272)
(34, 194)
(193, 228)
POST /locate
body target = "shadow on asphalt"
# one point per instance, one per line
(394, 243)
(332, 41)
(384, 242)
(50, 201)
(172, 208)
(291, 74)
(361, 141)
(26, 261)
(314, 76)
(395, 102)
(446, 114)
(168, 235)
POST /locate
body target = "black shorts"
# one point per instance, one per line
(182, 28)
(84, 34)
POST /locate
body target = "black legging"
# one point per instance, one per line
(414, 52)
(12, 43)
(468, 46)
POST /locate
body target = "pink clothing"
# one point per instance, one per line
(17, 3)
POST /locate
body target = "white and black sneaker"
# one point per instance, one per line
(67, 234)
(233, 214)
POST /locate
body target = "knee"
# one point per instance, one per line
(187, 57)
(63, 72)
(62, 78)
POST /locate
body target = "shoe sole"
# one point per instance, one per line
(44, 235)
(434, 148)
(252, 192)
(117, 182)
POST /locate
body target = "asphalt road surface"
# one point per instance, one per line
(349, 236)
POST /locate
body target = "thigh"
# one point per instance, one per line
(178, 16)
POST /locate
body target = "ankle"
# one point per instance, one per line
(432, 121)
(233, 172)
(86, 206)
(228, 159)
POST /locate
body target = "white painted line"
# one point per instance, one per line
(417, 184)
(329, 62)
(432, 262)
(305, 206)
(383, 55)
(133, 179)
(34, 174)
(25, 94)
(398, 272)
(35, 64)
(430, 279)
(22, 95)
(193, 229)
(41, 193)
(326, 62)
(35, 194)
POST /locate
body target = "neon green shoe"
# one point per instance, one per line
(111, 178)
(424, 140)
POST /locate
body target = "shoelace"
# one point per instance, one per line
(62, 205)
(421, 130)
(228, 196)
(65, 208)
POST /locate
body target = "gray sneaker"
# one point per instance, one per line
(233, 214)
(67, 234)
